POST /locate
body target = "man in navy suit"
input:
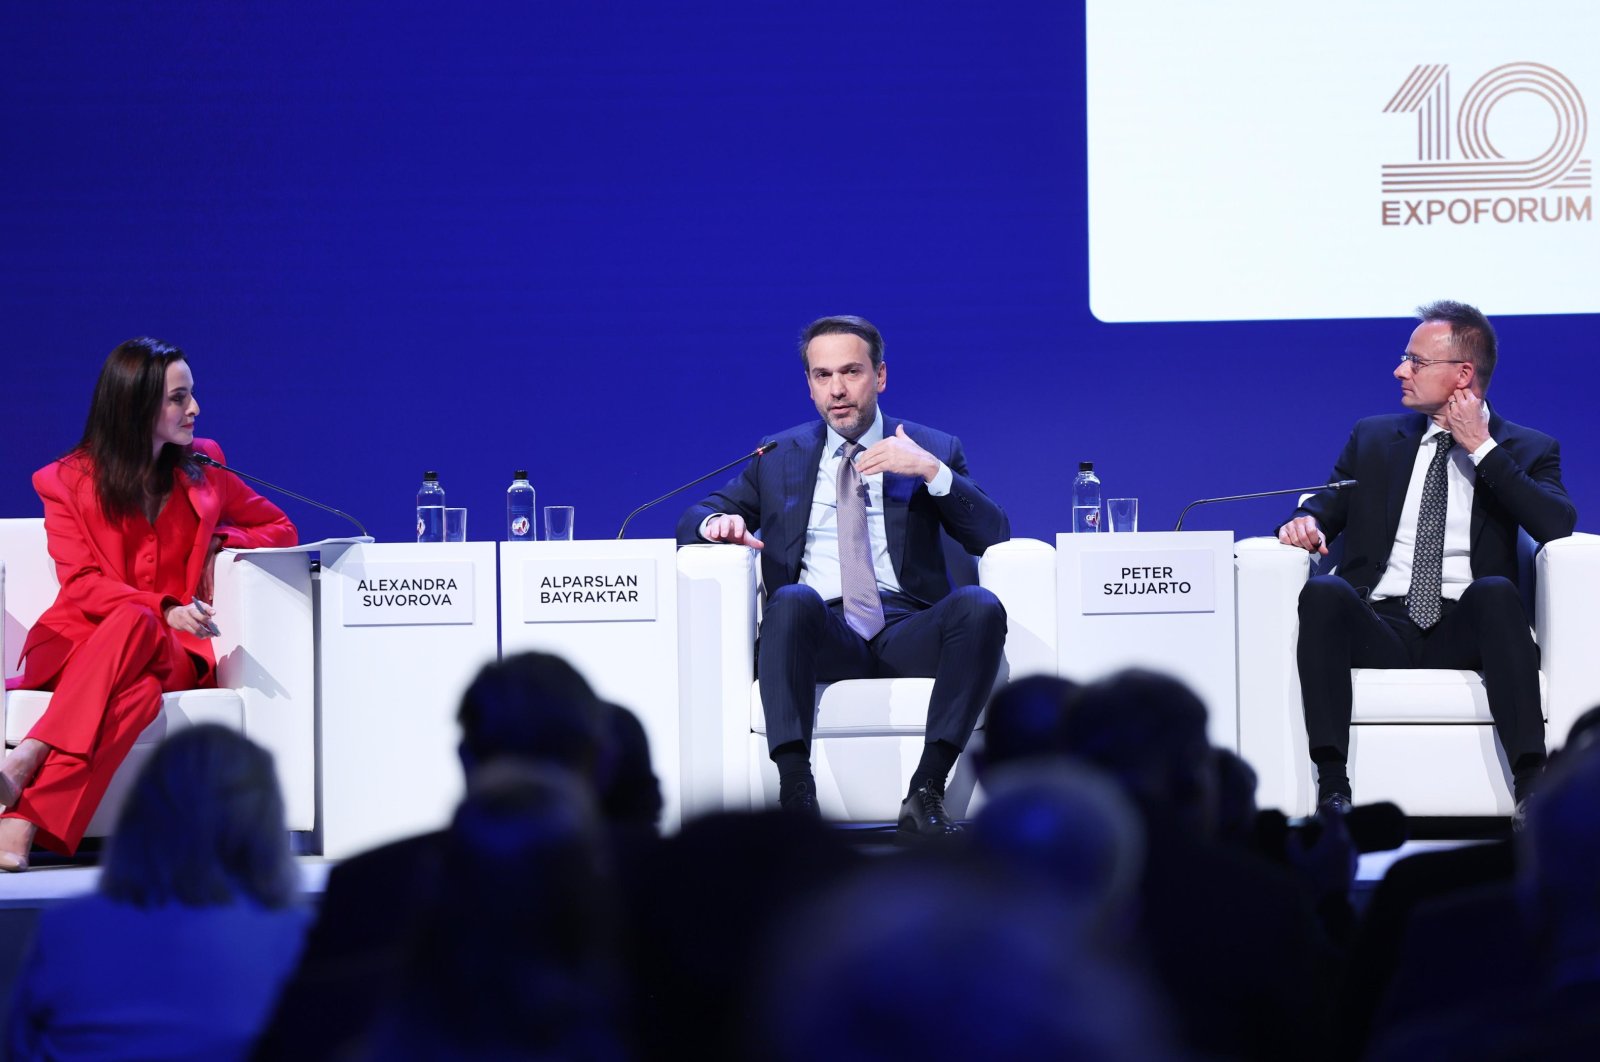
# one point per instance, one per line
(1429, 576)
(854, 567)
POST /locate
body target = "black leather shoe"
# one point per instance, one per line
(1334, 804)
(922, 814)
(801, 800)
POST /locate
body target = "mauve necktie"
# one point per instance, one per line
(1427, 559)
(858, 582)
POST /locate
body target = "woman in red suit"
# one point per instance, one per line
(134, 523)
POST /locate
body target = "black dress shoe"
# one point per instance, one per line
(1519, 815)
(801, 800)
(1334, 804)
(922, 814)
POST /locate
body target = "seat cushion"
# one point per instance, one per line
(1422, 695)
(863, 707)
(178, 710)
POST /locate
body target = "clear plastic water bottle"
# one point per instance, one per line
(430, 509)
(520, 509)
(1086, 499)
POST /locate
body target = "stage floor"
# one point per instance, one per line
(46, 885)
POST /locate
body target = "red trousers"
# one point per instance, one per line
(106, 694)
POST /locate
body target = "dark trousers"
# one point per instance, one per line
(804, 640)
(1485, 631)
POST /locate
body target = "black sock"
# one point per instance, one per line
(1332, 774)
(794, 767)
(1525, 777)
(937, 759)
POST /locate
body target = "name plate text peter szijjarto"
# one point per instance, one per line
(1148, 580)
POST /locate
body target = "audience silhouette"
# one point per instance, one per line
(515, 955)
(530, 707)
(195, 926)
(1119, 896)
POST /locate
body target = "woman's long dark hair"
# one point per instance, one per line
(121, 426)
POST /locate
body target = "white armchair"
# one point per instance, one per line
(869, 732)
(1421, 738)
(265, 667)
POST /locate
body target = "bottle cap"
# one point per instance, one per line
(522, 473)
(1085, 466)
(430, 477)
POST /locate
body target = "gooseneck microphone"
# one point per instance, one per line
(214, 463)
(1338, 484)
(764, 448)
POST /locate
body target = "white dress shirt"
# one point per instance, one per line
(819, 565)
(1460, 475)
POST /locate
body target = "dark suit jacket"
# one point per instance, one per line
(1518, 486)
(774, 492)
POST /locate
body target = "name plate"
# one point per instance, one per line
(399, 593)
(589, 590)
(1148, 580)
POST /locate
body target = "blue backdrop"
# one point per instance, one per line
(582, 237)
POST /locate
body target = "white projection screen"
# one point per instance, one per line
(1252, 159)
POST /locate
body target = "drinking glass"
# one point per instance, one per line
(1123, 513)
(455, 524)
(558, 523)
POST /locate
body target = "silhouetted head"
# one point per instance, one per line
(531, 706)
(630, 793)
(1148, 731)
(709, 895)
(932, 959)
(1558, 864)
(1585, 729)
(1236, 797)
(515, 955)
(202, 826)
(1065, 823)
(525, 863)
(1026, 718)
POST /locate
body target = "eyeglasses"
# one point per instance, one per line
(1423, 363)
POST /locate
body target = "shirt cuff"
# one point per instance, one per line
(1481, 452)
(939, 485)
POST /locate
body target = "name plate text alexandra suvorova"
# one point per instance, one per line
(589, 589)
(1152, 580)
(383, 593)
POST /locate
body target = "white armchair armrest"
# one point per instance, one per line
(1268, 578)
(1022, 574)
(716, 664)
(263, 602)
(1567, 622)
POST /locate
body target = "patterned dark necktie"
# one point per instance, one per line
(858, 582)
(1427, 560)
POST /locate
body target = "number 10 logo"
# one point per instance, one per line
(1426, 93)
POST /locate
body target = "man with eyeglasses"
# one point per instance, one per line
(1429, 574)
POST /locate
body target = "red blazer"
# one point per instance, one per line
(89, 553)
